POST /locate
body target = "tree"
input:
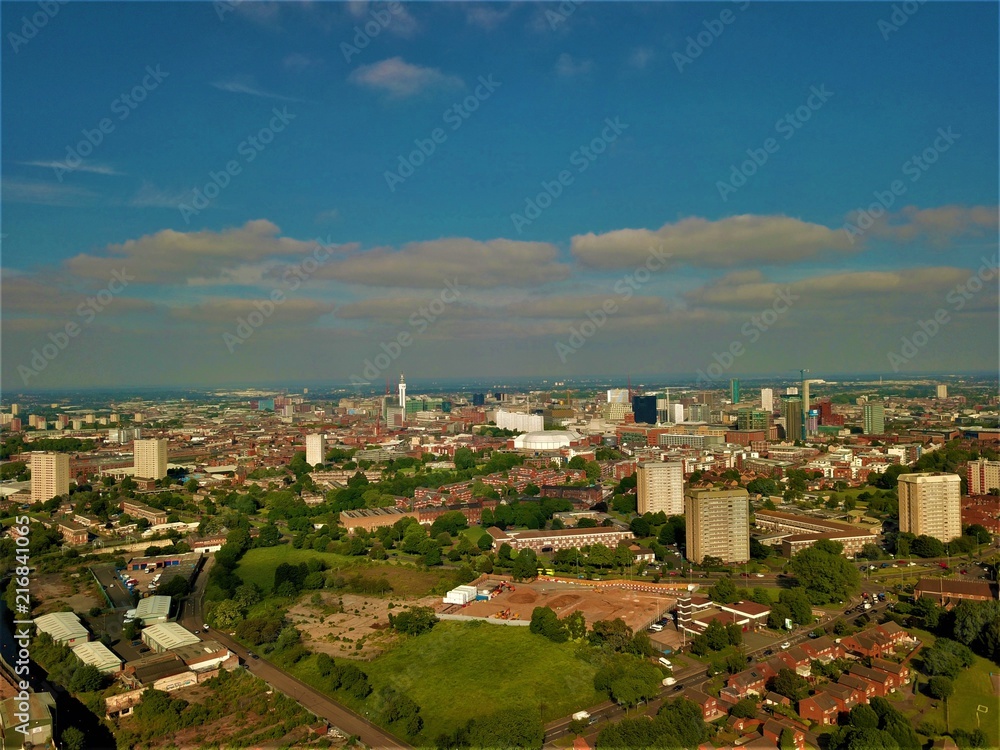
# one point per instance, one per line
(825, 573)
(927, 546)
(870, 551)
(226, 615)
(946, 657)
(73, 739)
(762, 486)
(544, 622)
(786, 741)
(639, 684)
(724, 592)
(789, 684)
(863, 717)
(464, 458)
(576, 624)
(86, 678)
(509, 727)
(940, 687)
(414, 620)
(176, 587)
(980, 532)
(485, 543)
(745, 708)
(612, 635)
(526, 565)
(797, 601)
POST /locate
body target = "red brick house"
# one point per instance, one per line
(886, 682)
(820, 708)
(774, 726)
(823, 648)
(859, 685)
(901, 671)
(709, 706)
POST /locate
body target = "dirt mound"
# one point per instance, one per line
(564, 601)
(522, 597)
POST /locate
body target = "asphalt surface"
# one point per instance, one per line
(338, 715)
(112, 584)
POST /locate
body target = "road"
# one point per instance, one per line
(322, 705)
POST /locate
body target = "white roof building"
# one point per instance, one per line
(97, 654)
(546, 440)
(164, 636)
(64, 627)
(153, 609)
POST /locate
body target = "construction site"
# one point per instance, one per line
(502, 600)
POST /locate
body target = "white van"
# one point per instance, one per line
(666, 662)
(656, 627)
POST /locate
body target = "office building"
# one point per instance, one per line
(660, 486)
(618, 395)
(752, 419)
(983, 476)
(942, 391)
(520, 422)
(478, 399)
(734, 390)
(150, 458)
(767, 399)
(315, 449)
(873, 416)
(644, 408)
(717, 525)
(931, 503)
(792, 408)
(699, 413)
(49, 475)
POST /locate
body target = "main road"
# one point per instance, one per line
(322, 705)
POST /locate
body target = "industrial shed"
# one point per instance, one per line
(64, 627)
(164, 636)
(98, 655)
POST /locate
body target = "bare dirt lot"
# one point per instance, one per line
(349, 625)
(56, 590)
(637, 608)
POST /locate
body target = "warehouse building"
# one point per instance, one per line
(98, 655)
(152, 609)
(164, 636)
(63, 627)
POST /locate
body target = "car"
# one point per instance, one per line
(848, 611)
(785, 645)
(964, 572)
(204, 627)
(768, 652)
(814, 634)
(252, 655)
(196, 632)
(678, 687)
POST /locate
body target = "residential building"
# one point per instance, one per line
(949, 592)
(718, 525)
(752, 419)
(552, 541)
(141, 510)
(521, 422)
(873, 418)
(315, 449)
(930, 503)
(660, 486)
(767, 399)
(150, 457)
(792, 408)
(942, 391)
(734, 390)
(983, 476)
(49, 475)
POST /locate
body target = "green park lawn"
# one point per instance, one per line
(258, 565)
(459, 671)
(973, 688)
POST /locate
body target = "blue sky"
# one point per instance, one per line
(833, 100)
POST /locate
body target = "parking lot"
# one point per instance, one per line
(112, 585)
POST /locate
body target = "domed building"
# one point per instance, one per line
(546, 440)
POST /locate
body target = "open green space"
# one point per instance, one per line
(258, 566)
(458, 671)
(973, 688)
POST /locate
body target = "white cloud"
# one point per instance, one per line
(733, 241)
(90, 167)
(399, 79)
(246, 86)
(640, 57)
(567, 67)
(45, 193)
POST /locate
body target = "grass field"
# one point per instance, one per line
(972, 689)
(462, 670)
(258, 565)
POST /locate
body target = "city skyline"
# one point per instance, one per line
(377, 173)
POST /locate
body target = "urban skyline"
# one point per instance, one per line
(621, 190)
